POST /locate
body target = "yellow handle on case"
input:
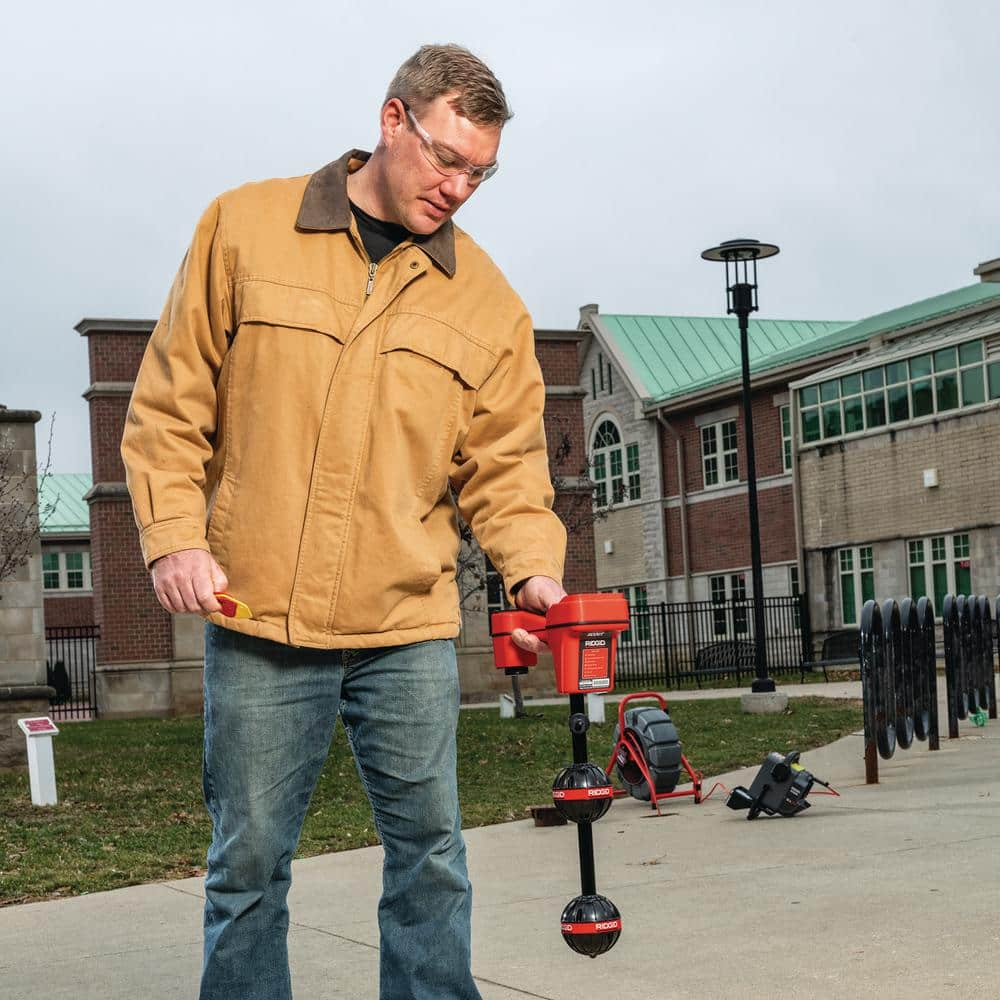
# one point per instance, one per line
(232, 608)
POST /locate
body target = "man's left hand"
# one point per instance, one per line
(537, 595)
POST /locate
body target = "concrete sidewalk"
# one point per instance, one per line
(825, 689)
(889, 891)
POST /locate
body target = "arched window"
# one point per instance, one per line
(612, 461)
(607, 456)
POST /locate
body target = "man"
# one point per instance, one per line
(335, 354)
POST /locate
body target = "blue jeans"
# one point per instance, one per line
(270, 711)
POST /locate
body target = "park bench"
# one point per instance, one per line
(729, 656)
(840, 649)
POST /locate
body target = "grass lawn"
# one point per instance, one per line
(130, 807)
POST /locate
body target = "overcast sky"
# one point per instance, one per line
(860, 136)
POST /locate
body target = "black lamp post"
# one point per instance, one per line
(741, 299)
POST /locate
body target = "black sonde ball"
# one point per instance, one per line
(582, 792)
(591, 925)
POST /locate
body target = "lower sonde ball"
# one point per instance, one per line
(591, 925)
(582, 793)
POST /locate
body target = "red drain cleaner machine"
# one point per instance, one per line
(582, 631)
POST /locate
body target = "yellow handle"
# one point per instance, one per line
(232, 608)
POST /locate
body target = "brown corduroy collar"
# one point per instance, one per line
(325, 208)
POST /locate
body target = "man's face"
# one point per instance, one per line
(421, 197)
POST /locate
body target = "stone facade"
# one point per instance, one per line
(23, 690)
(845, 484)
(633, 530)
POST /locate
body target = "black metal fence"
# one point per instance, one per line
(71, 662)
(969, 638)
(898, 678)
(898, 656)
(669, 645)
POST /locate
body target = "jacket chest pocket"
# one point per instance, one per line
(287, 343)
(273, 304)
(280, 363)
(425, 370)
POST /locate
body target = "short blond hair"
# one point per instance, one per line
(435, 70)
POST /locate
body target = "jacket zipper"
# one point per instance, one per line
(372, 268)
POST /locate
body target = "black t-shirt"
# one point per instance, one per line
(379, 237)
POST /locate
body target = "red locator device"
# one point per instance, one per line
(582, 631)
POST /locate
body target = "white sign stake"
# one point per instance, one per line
(41, 765)
(595, 706)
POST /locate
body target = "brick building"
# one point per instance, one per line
(67, 580)
(896, 485)
(665, 434)
(149, 662)
(664, 424)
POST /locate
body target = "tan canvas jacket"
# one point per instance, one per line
(300, 414)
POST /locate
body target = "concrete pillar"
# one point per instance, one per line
(23, 687)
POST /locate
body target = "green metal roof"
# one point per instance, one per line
(936, 307)
(669, 356)
(71, 513)
(941, 335)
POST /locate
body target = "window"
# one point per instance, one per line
(50, 571)
(786, 438)
(949, 570)
(600, 366)
(857, 582)
(733, 620)
(719, 457)
(614, 466)
(496, 597)
(738, 593)
(638, 601)
(632, 467)
(607, 453)
(718, 585)
(66, 571)
(600, 479)
(74, 570)
(934, 382)
(593, 383)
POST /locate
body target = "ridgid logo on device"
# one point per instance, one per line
(595, 661)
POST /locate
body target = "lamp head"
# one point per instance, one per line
(741, 287)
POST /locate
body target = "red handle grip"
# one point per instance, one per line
(582, 632)
(502, 625)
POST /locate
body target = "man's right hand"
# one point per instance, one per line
(188, 580)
